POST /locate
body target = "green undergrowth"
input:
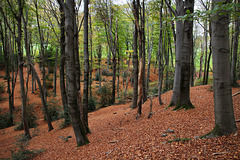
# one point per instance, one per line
(176, 139)
(21, 152)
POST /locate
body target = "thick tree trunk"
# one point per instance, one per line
(179, 42)
(184, 101)
(62, 68)
(72, 93)
(223, 105)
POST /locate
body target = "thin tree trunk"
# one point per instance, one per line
(205, 64)
(235, 51)
(55, 74)
(46, 114)
(86, 68)
(135, 59)
(21, 77)
(143, 53)
(159, 57)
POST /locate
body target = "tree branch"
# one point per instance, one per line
(171, 9)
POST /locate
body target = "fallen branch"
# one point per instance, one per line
(236, 94)
(113, 141)
(219, 153)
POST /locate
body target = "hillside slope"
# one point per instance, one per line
(116, 134)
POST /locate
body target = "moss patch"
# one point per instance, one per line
(216, 132)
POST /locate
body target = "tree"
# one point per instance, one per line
(135, 55)
(184, 42)
(235, 50)
(223, 105)
(80, 134)
(86, 67)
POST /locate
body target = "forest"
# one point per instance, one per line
(130, 79)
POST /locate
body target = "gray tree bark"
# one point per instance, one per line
(223, 105)
(77, 124)
(86, 68)
(179, 43)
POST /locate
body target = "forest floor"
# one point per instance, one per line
(117, 134)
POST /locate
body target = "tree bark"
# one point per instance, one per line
(235, 51)
(179, 43)
(86, 68)
(55, 74)
(21, 62)
(223, 105)
(62, 68)
(78, 127)
(159, 57)
(135, 59)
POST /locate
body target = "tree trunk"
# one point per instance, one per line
(78, 127)
(86, 68)
(45, 109)
(179, 43)
(21, 62)
(6, 50)
(205, 64)
(55, 73)
(143, 53)
(99, 65)
(201, 60)
(62, 67)
(235, 51)
(184, 102)
(159, 57)
(223, 105)
(135, 60)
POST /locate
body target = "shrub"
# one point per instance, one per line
(125, 95)
(53, 110)
(5, 120)
(97, 76)
(31, 118)
(105, 96)
(22, 152)
(91, 104)
(49, 82)
(2, 87)
(105, 72)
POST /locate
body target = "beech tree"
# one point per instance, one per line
(78, 126)
(223, 105)
(184, 42)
